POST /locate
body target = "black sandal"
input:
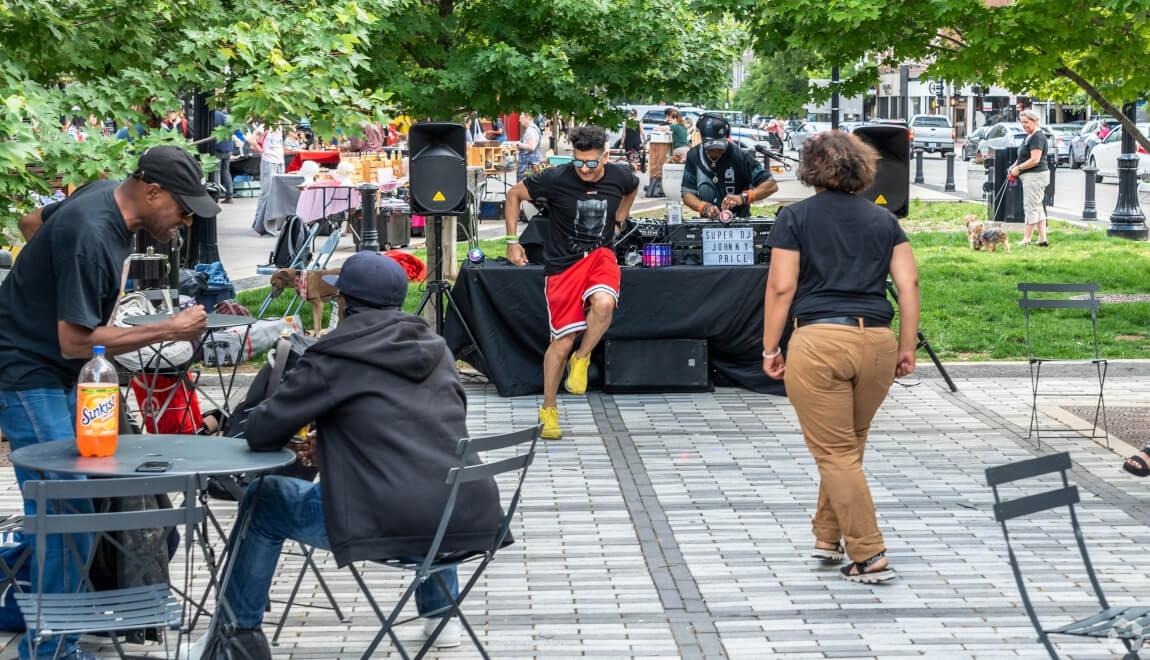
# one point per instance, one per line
(1141, 467)
(829, 555)
(856, 571)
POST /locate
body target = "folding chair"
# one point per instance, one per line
(1088, 302)
(1130, 625)
(434, 563)
(87, 610)
(318, 262)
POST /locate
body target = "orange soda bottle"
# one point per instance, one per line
(97, 407)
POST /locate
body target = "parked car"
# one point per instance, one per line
(1087, 138)
(970, 144)
(933, 133)
(1064, 134)
(798, 136)
(1006, 134)
(1104, 155)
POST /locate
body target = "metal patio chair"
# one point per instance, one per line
(1081, 297)
(1129, 625)
(431, 567)
(87, 610)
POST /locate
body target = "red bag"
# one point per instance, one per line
(178, 400)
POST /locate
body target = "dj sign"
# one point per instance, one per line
(728, 246)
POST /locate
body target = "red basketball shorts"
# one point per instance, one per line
(568, 292)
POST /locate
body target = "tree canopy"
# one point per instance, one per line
(335, 62)
(1097, 46)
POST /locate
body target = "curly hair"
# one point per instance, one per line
(837, 160)
(588, 138)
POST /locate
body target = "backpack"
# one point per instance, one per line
(292, 248)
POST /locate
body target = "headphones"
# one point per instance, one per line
(713, 126)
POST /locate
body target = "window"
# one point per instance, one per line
(939, 122)
(655, 117)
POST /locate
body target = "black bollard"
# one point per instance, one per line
(1089, 209)
(949, 187)
(369, 228)
(918, 166)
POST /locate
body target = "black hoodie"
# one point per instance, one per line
(389, 411)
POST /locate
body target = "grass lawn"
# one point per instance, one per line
(970, 299)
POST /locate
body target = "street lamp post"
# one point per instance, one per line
(1127, 220)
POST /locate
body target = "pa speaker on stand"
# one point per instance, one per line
(438, 186)
(891, 187)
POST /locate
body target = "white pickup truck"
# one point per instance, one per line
(932, 133)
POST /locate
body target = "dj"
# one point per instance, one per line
(720, 176)
(585, 200)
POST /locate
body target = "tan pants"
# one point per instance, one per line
(837, 377)
(1033, 192)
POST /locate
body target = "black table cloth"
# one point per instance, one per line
(505, 309)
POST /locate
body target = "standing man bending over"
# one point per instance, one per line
(586, 199)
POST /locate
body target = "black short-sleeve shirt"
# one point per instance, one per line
(69, 271)
(845, 244)
(736, 171)
(582, 215)
(1036, 140)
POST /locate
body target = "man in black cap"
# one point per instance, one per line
(56, 303)
(389, 410)
(720, 176)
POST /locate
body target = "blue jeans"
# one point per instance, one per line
(28, 417)
(288, 508)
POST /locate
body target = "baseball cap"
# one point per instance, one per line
(374, 278)
(178, 172)
(714, 130)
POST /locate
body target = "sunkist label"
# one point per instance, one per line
(97, 410)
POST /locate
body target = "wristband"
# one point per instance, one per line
(511, 238)
(749, 196)
(706, 208)
(771, 356)
(512, 242)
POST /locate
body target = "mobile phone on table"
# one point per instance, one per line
(154, 466)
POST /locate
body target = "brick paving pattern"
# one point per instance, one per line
(668, 526)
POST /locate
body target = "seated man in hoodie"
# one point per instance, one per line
(389, 411)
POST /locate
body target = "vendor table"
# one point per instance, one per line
(505, 309)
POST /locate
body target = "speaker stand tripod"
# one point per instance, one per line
(439, 288)
(925, 345)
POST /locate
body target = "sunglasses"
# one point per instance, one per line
(589, 164)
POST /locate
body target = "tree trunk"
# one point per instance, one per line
(1109, 107)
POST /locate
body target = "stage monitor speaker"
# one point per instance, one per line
(438, 168)
(656, 365)
(891, 187)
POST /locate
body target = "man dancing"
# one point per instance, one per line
(582, 284)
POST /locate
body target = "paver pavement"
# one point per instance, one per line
(678, 526)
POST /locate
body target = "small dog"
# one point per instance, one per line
(983, 238)
(311, 288)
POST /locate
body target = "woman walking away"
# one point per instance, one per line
(830, 256)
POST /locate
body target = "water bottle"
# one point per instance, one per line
(97, 407)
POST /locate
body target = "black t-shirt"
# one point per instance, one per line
(582, 215)
(735, 172)
(845, 244)
(1036, 140)
(69, 271)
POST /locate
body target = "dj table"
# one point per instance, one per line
(505, 309)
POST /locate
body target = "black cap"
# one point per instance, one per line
(178, 172)
(714, 130)
(373, 278)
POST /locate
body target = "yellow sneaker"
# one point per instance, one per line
(549, 417)
(577, 374)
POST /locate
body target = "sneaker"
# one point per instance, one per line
(79, 654)
(549, 418)
(1043, 244)
(248, 643)
(577, 374)
(448, 637)
(1024, 242)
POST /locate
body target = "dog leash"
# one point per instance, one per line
(1001, 198)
